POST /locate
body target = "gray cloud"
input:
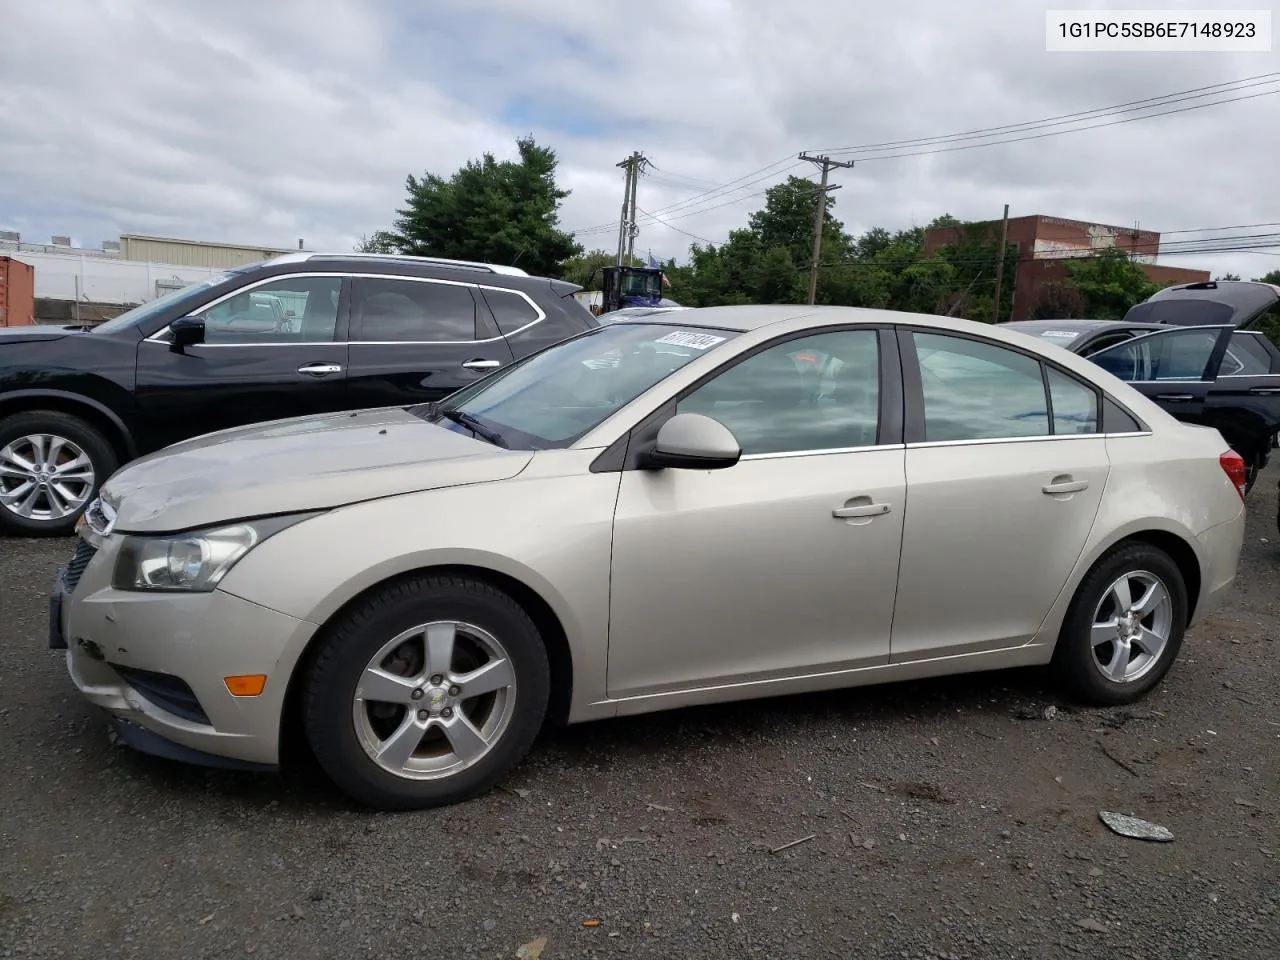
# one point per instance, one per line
(264, 122)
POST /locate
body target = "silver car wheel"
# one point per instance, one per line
(434, 700)
(1131, 626)
(44, 477)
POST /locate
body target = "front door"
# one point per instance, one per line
(1175, 367)
(1001, 494)
(783, 564)
(271, 351)
(415, 341)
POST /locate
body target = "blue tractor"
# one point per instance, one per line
(630, 287)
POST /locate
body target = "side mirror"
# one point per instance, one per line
(184, 332)
(690, 441)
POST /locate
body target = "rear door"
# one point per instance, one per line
(418, 340)
(1175, 367)
(1247, 388)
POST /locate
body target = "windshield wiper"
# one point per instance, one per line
(476, 427)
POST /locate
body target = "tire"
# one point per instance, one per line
(76, 438)
(387, 628)
(1075, 664)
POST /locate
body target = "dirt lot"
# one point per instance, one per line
(945, 819)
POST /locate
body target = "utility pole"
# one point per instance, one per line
(627, 228)
(827, 164)
(1004, 242)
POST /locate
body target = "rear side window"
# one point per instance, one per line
(978, 391)
(1075, 406)
(413, 311)
(1246, 357)
(511, 311)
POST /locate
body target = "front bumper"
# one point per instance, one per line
(156, 663)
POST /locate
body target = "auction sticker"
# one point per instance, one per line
(698, 341)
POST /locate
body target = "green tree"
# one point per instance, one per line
(489, 210)
(1228, 276)
(380, 241)
(1272, 277)
(1110, 282)
(787, 221)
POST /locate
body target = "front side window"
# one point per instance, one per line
(288, 310)
(192, 293)
(1182, 354)
(412, 311)
(554, 397)
(979, 391)
(815, 393)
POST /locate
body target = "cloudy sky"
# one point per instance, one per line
(273, 120)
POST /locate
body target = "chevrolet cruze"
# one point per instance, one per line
(683, 508)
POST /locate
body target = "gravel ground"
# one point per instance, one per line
(940, 819)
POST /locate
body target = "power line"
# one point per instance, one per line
(1128, 107)
(1059, 133)
(677, 229)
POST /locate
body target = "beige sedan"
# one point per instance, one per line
(691, 507)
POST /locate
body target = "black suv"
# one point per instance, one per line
(300, 334)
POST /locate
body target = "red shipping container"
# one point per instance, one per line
(17, 293)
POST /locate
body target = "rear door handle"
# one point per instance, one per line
(1265, 390)
(482, 364)
(1176, 397)
(860, 507)
(1065, 485)
(320, 369)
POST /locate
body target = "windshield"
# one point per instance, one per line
(636, 284)
(554, 397)
(143, 311)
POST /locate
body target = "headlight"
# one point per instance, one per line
(195, 561)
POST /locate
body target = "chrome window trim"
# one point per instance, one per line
(1036, 439)
(938, 443)
(157, 337)
(786, 454)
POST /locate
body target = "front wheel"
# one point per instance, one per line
(427, 692)
(51, 466)
(1124, 628)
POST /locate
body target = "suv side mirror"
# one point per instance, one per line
(690, 441)
(184, 332)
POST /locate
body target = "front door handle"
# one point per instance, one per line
(1065, 484)
(860, 508)
(1175, 397)
(320, 369)
(482, 364)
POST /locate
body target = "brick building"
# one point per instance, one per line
(1045, 244)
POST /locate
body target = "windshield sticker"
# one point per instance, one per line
(698, 341)
(1064, 334)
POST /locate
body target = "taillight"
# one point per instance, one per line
(1233, 466)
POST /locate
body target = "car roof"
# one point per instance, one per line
(1080, 325)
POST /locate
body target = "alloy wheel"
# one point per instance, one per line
(434, 700)
(1131, 626)
(44, 477)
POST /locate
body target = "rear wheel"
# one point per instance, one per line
(427, 692)
(1124, 628)
(51, 466)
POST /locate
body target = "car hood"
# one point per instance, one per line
(1213, 302)
(30, 334)
(296, 465)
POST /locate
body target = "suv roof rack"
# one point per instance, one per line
(493, 268)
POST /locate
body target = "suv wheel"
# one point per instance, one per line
(1124, 628)
(426, 692)
(51, 466)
